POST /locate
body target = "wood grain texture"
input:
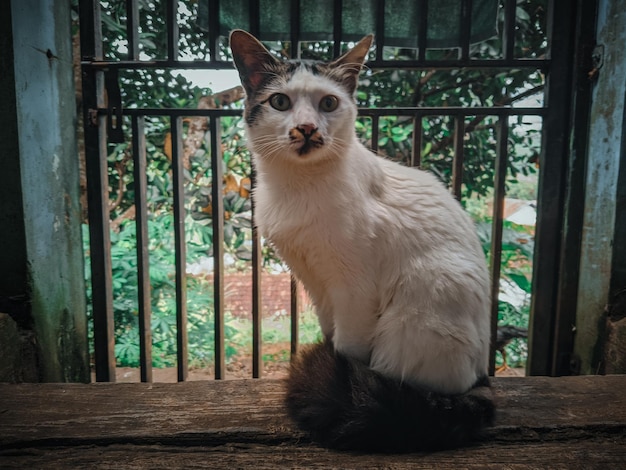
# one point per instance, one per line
(569, 422)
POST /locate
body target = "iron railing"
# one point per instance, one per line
(104, 113)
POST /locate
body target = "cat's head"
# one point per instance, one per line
(295, 109)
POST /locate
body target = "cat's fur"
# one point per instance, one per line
(390, 259)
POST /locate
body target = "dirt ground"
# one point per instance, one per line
(241, 368)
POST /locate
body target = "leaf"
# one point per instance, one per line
(521, 281)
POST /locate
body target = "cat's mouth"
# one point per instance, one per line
(305, 139)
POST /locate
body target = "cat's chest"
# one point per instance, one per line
(311, 231)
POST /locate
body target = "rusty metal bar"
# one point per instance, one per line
(180, 258)
(459, 156)
(496, 229)
(143, 257)
(97, 193)
(217, 203)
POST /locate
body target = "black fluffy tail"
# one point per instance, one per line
(344, 404)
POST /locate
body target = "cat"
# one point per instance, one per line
(390, 259)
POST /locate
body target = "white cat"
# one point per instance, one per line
(390, 259)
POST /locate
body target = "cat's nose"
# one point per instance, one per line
(307, 129)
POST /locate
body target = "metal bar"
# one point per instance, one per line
(404, 111)
(214, 32)
(115, 130)
(375, 131)
(132, 29)
(551, 189)
(380, 31)
(217, 203)
(465, 28)
(508, 32)
(422, 31)
(294, 29)
(295, 53)
(254, 11)
(97, 193)
(416, 149)
(257, 260)
(563, 361)
(143, 257)
(180, 258)
(295, 317)
(411, 64)
(337, 27)
(172, 29)
(496, 230)
(459, 157)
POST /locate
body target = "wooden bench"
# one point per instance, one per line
(568, 422)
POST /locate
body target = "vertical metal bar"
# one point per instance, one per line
(337, 27)
(508, 32)
(294, 35)
(416, 149)
(172, 30)
(380, 30)
(295, 317)
(257, 260)
(375, 124)
(459, 155)
(295, 52)
(143, 264)
(551, 188)
(132, 28)
(97, 194)
(180, 257)
(254, 10)
(217, 203)
(496, 230)
(567, 300)
(422, 31)
(214, 28)
(465, 28)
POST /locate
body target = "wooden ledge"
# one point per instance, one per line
(567, 422)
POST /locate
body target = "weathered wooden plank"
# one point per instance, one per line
(570, 422)
(599, 453)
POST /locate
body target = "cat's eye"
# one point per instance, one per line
(329, 103)
(280, 102)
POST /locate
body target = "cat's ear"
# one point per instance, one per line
(351, 62)
(252, 59)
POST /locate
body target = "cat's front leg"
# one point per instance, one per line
(354, 325)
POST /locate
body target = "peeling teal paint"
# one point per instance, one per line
(49, 183)
(605, 155)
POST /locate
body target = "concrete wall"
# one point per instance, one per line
(42, 259)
